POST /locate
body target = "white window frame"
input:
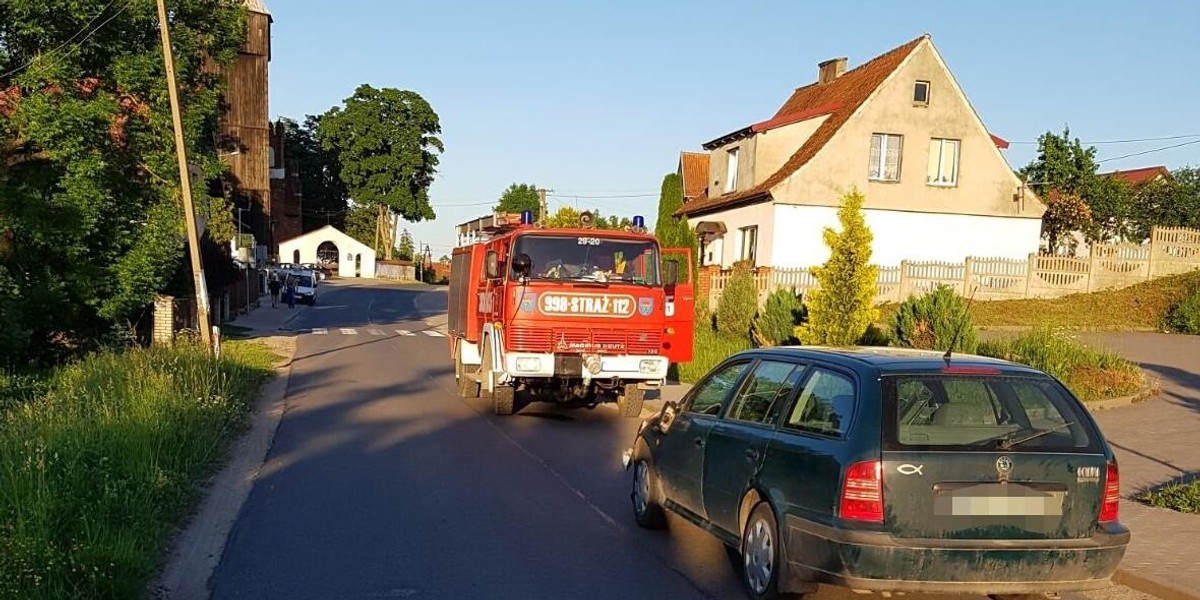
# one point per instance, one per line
(748, 251)
(883, 144)
(937, 148)
(731, 170)
(928, 89)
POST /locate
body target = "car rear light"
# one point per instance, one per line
(1111, 504)
(862, 492)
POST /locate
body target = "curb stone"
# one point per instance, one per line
(1158, 590)
(199, 545)
(1144, 394)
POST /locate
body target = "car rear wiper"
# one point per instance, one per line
(1009, 442)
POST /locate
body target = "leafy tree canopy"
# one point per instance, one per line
(1064, 167)
(387, 148)
(89, 191)
(567, 216)
(519, 197)
(321, 184)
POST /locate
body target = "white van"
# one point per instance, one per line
(306, 286)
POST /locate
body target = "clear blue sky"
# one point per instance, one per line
(594, 98)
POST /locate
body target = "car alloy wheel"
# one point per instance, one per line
(647, 510)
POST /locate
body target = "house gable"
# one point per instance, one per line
(842, 96)
(693, 170)
(985, 184)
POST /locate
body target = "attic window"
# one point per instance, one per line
(921, 93)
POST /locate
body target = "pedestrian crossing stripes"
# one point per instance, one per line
(376, 332)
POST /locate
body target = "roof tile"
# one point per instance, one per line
(695, 174)
(1139, 176)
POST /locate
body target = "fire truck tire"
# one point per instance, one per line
(629, 403)
(467, 387)
(504, 398)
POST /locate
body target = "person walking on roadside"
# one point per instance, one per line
(274, 286)
(291, 292)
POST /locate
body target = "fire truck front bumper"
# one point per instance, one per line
(588, 366)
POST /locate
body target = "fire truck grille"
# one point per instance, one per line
(601, 341)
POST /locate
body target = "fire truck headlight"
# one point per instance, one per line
(529, 363)
(649, 366)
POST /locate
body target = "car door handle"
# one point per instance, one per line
(752, 454)
(699, 442)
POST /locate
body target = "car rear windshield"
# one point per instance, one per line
(984, 412)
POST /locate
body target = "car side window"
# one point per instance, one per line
(709, 395)
(825, 404)
(769, 385)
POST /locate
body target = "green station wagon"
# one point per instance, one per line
(886, 470)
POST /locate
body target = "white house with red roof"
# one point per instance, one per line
(901, 130)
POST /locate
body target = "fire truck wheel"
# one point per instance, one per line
(629, 403)
(467, 387)
(504, 397)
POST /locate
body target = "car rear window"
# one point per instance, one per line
(983, 412)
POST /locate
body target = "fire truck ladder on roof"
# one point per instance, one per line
(484, 228)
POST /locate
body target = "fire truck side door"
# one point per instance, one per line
(680, 307)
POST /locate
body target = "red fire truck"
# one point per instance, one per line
(574, 314)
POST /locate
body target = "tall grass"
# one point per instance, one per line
(1092, 374)
(96, 471)
(709, 348)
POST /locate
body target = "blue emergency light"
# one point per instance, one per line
(639, 222)
(527, 217)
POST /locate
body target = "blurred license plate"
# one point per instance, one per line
(999, 501)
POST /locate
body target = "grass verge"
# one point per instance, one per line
(1140, 307)
(1183, 497)
(709, 349)
(96, 471)
(1092, 374)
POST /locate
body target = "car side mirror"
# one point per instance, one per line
(671, 277)
(492, 264)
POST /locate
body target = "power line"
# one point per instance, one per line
(71, 40)
(1149, 151)
(582, 197)
(1131, 141)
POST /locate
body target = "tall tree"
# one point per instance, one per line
(519, 197)
(670, 231)
(321, 185)
(89, 191)
(843, 306)
(1065, 167)
(405, 249)
(387, 147)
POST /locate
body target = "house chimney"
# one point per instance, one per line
(830, 70)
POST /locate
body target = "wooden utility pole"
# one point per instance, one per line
(378, 227)
(395, 232)
(542, 205)
(189, 209)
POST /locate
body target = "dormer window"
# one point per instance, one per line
(921, 93)
(731, 171)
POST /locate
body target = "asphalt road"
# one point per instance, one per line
(381, 483)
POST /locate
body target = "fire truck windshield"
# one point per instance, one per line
(586, 258)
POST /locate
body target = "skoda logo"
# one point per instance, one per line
(1004, 465)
